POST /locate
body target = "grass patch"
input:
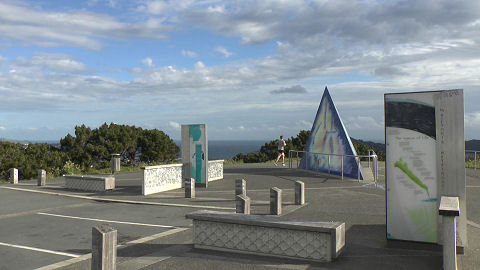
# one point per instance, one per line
(232, 161)
(471, 164)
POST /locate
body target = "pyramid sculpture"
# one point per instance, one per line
(329, 136)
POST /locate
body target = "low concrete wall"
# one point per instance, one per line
(161, 178)
(167, 177)
(89, 182)
(268, 235)
(215, 170)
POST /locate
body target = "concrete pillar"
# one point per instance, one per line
(115, 163)
(275, 201)
(242, 204)
(14, 175)
(42, 178)
(449, 209)
(104, 248)
(299, 193)
(189, 187)
(240, 187)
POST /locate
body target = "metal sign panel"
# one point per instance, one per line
(195, 153)
(414, 145)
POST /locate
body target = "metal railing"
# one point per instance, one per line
(475, 155)
(372, 159)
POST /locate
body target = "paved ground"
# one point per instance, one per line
(48, 225)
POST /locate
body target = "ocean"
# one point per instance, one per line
(219, 149)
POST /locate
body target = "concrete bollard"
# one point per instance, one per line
(14, 175)
(449, 208)
(115, 163)
(275, 201)
(42, 178)
(104, 248)
(189, 187)
(299, 193)
(242, 204)
(240, 187)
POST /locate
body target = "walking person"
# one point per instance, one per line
(281, 151)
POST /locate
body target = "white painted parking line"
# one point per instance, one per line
(473, 224)
(109, 221)
(117, 200)
(31, 212)
(70, 262)
(40, 250)
(257, 190)
(157, 236)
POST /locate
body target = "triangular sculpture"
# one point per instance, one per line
(329, 143)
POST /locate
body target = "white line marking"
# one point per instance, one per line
(25, 213)
(120, 201)
(110, 221)
(89, 256)
(40, 250)
(473, 224)
(156, 236)
(257, 190)
(472, 186)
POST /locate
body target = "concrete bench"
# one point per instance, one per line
(89, 183)
(268, 235)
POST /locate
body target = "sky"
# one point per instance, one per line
(250, 70)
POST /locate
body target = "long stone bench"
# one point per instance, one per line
(89, 182)
(267, 235)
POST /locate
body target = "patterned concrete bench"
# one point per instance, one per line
(89, 183)
(268, 235)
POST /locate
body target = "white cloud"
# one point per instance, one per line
(147, 62)
(361, 49)
(34, 26)
(2, 128)
(50, 62)
(362, 123)
(305, 125)
(472, 119)
(154, 7)
(176, 126)
(295, 89)
(112, 3)
(240, 128)
(189, 54)
(224, 51)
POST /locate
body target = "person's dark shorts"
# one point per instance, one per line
(280, 151)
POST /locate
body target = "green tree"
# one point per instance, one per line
(156, 146)
(93, 148)
(29, 158)
(269, 150)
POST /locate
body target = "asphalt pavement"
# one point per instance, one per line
(50, 226)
